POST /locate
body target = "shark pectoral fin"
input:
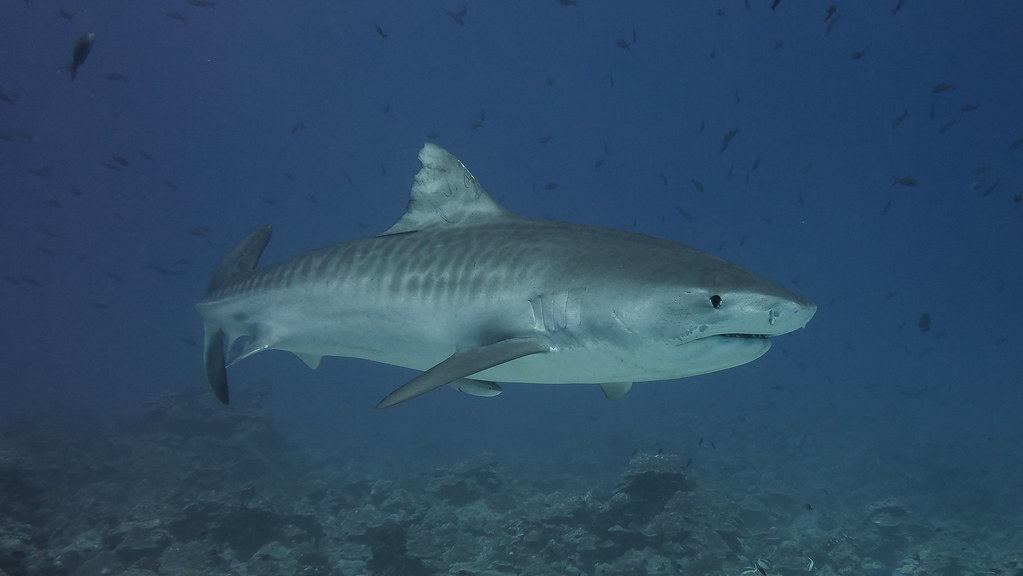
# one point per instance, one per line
(615, 390)
(465, 363)
(476, 387)
(311, 360)
(213, 361)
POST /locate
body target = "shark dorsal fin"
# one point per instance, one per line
(444, 193)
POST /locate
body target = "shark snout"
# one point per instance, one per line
(790, 314)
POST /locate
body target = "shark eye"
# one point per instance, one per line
(715, 301)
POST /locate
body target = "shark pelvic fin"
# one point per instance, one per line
(615, 390)
(251, 347)
(311, 360)
(465, 363)
(476, 387)
(444, 193)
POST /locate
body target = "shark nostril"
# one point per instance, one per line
(715, 301)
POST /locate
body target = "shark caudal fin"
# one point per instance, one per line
(241, 260)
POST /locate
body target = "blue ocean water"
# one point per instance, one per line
(877, 168)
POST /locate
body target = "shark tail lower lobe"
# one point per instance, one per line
(241, 260)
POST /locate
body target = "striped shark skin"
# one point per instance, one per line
(471, 295)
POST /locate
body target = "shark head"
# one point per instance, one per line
(706, 314)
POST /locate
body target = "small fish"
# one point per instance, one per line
(697, 184)
(756, 164)
(80, 53)
(550, 186)
(380, 31)
(297, 127)
(968, 107)
(621, 43)
(175, 15)
(925, 323)
(479, 123)
(831, 12)
(728, 138)
(568, 2)
(145, 154)
(946, 126)
(685, 213)
(9, 98)
(42, 172)
(943, 87)
(53, 203)
(831, 26)
(898, 7)
(546, 139)
(856, 55)
(991, 188)
(65, 14)
(900, 119)
(904, 181)
(775, 4)
(458, 17)
(203, 3)
(887, 207)
(1016, 144)
(611, 78)
(116, 77)
(931, 115)
(121, 160)
(170, 184)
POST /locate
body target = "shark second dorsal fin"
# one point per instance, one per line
(444, 193)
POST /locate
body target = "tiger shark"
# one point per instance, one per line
(471, 295)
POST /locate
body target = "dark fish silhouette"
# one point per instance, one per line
(82, 49)
(728, 138)
(175, 15)
(458, 17)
